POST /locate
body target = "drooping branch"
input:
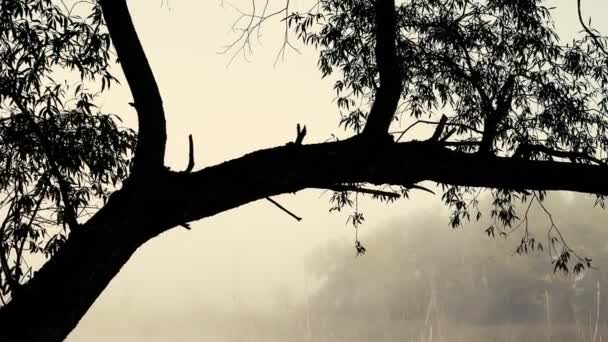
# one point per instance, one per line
(152, 136)
(594, 36)
(278, 205)
(389, 69)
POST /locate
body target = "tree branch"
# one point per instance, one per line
(391, 85)
(152, 135)
(372, 192)
(504, 99)
(596, 39)
(284, 170)
(278, 205)
(190, 166)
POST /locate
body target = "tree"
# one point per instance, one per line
(527, 117)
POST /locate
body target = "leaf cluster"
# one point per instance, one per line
(59, 154)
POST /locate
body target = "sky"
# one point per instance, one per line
(244, 257)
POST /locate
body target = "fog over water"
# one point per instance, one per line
(255, 274)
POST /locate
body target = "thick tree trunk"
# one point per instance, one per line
(52, 304)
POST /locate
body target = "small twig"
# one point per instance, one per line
(453, 124)
(190, 155)
(364, 191)
(301, 133)
(418, 187)
(439, 129)
(283, 208)
(447, 135)
(461, 143)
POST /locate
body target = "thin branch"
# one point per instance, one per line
(419, 187)
(283, 169)
(439, 129)
(190, 155)
(373, 192)
(284, 209)
(591, 34)
(448, 124)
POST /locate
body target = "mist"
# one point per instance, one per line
(420, 280)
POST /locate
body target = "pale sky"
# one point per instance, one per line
(239, 258)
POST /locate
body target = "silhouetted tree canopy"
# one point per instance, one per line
(514, 110)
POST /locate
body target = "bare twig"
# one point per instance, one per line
(439, 129)
(364, 191)
(448, 124)
(418, 187)
(591, 34)
(301, 133)
(283, 208)
(190, 155)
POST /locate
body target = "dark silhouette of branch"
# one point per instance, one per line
(286, 170)
(449, 124)
(152, 135)
(504, 99)
(591, 34)
(373, 192)
(389, 69)
(278, 205)
(439, 129)
(190, 155)
(301, 133)
(418, 187)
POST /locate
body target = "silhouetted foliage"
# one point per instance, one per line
(59, 155)
(496, 70)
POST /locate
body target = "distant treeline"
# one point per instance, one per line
(419, 269)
